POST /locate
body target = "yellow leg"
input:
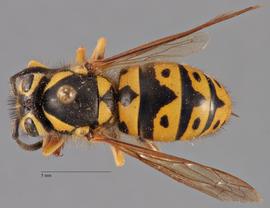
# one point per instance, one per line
(98, 53)
(52, 145)
(118, 156)
(80, 60)
(80, 56)
(33, 63)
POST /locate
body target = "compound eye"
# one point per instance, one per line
(26, 82)
(66, 94)
(30, 127)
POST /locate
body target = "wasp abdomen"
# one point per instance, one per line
(167, 102)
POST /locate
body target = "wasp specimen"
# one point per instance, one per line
(140, 93)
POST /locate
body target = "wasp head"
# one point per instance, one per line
(25, 101)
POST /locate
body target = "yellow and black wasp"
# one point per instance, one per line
(141, 94)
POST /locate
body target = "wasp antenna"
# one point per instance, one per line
(234, 114)
(29, 147)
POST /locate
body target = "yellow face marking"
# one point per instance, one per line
(104, 113)
(58, 124)
(34, 63)
(34, 85)
(129, 114)
(57, 77)
(81, 131)
(201, 112)
(172, 110)
(103, 85)
(41, 131)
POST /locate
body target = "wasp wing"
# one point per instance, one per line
(211, 181)
(174, 46)
(172, 51)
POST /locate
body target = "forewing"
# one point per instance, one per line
(172, 51)
(173, 46)
(211, 181)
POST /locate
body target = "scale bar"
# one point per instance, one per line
(76, 171)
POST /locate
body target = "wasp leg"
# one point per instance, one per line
(98, 53)
(52, 145)
(118, 156)
(149, 144)
(80, 57)
(34, 63)
(80, 60)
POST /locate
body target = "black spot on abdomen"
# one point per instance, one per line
(196, 123)
(196, 76)
(166, 73)
(164, 121)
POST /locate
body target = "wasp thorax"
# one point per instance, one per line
(66, 94)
